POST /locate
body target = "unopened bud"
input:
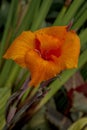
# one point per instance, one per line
(69, 25)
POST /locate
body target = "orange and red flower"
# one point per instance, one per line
(45, 52)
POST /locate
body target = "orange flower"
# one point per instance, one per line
(45, 52)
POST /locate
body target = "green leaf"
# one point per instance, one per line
(4, 95)
(6, 31)
(79, 125)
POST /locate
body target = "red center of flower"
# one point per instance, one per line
(46, 54)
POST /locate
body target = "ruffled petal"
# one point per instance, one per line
(54, 31)
(40, 69)
(48, 42)
(71, 50)
(19, 47)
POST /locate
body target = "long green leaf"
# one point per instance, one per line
(72, 11)
(45, 6)
(81, 124)
(82, 19)
(7, 26)
(4, 95)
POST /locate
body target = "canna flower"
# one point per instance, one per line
(45, 52)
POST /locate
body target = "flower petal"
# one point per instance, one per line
(19, 47)
(48, 45)
(48, 42)
(70, 50)
(45, 52)
(54, 31)
(40, 69)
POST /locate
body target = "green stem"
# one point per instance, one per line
(42, 14)
(80, 21)
(9, 64)
(27, 20)
(7, 26)
(59, 18)
(83, 37)
(36, 12)
(12, 76)
(20, 83)
(31, 91)
(4, 94)
(56, 85)
(71, 11)
(5, 72)
(14, 24)
(34, 91)
(26, 94)
(80, 12)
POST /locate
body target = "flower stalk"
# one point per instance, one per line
(60, 16)
(82, 19)
(71, 11)
(7, 27)
(27, 20)
(42, 14)
(80, 12)
(83, 37)
(15, 71)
